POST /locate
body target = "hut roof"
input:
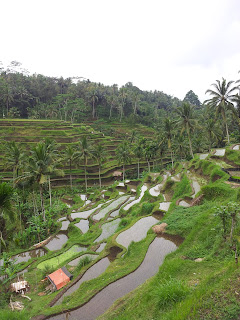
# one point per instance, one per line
(60, 278)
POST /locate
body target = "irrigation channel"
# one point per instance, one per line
(156, 253)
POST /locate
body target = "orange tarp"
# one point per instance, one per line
(59, 278)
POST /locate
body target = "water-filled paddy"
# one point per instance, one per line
(164, 206)
(93, 272)
(156, 253)
(110, 207)
(57, 242)
(83, 225)
(27, 255)
(137, 232)
(85, 214)
(130, 204)
(108, 229)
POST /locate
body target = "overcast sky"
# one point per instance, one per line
(173, 46)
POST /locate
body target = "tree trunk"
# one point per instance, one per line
(42, 201)
(227, 131)
(110, 115)
(190, 143)
(138, 169)
(99, 173)
(232, 228)
(93, 109)
(172, 157)
(123, 172)
(50, 190)
(71, 174)
(149, 169)
(85, 173)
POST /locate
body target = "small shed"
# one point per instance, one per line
(20, 286)
(117, 174)
(60, 278)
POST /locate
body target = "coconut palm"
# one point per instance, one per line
(222, 98)
(212, 130)
(69, 157)
(13, 157)
(83, 153)
(187, 121)
(122, 100)
(54, 160)
(6, 193)
(42, 163)
(138, 152)
(168, 129)
(180, 146)
(93, 97)
(99, 155)
(123, 153)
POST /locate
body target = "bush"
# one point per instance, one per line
(147, 208)
(83, 262)
(14, 315)
(214, 191)
(169, 292)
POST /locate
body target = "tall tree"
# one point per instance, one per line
(99, 155)
(69, 157)
(192, 98)
(13, 157)
(84, 152)
(123, 153)
(187, 121)
(6, 193)
(222, 98)
(122, 97)
(138, 152)
(168, 129)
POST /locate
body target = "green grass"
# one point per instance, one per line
(60, 260)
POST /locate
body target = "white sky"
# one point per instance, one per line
(169, 45)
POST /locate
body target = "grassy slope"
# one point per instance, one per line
(191, 290)
(212, 285)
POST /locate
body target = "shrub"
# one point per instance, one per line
(147, 208)
(214, 191)
(169, 292)
(83, 262)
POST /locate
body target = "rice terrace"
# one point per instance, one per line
(118, 203)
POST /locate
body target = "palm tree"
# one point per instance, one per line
(122, 97)
(6, 193)
(212, 130)
(222, 98)
(42, 163)
(8, 97)
(180, 146)
(138, 152)
(69, 157)
(168, 128)
(54, 160)
(123, 153)
(187, 121)
(13, 157)
(93, 98)
(84, 152)
(99, 155)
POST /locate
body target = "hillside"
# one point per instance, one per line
(28, 133)
(199, 277)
